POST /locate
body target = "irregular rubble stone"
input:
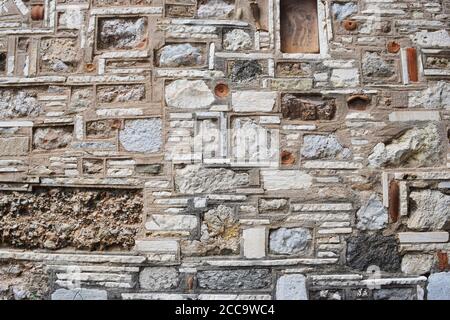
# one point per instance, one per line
(269, 205)
(367, 250)
(189, 94)
(373, 65)
(215, 9)
(245, 70)
(439, 38)
(122, 93)
(241, 279)
(438, 287)
(323, 147)
(436, 96)
(159, 278)
(395, 294)
(372, 215)
(416, 147)
(79, 294)
(195, 179)
(23, 281)
(178, 55)
(417, 264)
(50, 138)
(101, 129)
(430, 210)
(237, 39)
(142, 135)
(219, 233)
(121, 33)
(289, 240)
(307, 108)
(326, 295)
(342, 11)
(59, 218)
(292, 287)
(59, 54)
(81, 99)
(15, 104)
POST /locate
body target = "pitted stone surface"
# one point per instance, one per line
(323, 147)
(142, 135)
(289, 240)
(180, 55)
(438, 287)
(159, 278)
(430, 210)
(292, 287)
(372, 215)
(237, 39)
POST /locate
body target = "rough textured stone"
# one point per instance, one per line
(292, 287)
(440, 38)
(59, 54)
(373, 65)
(219, 233)
(142, 135)
(372, 215)
(245, 70)
(430, 210)
(307, 107)
(416, 147)
(215, 9)
(417, 264)
(438, 287)
(159, 278)
(121, 33)
(50, 138)
(195, 179)
(342, 11)
(323, 147)
(122, 93)
(248, 101)
(15, 104)
(237, 39)
(436, 96)
(14, 146)
(79, 294)
(189, 94)
(244, 279)
(269, 205)
(178, 55)
(367, 250)
(59, 218)
(395, 294)
(289, 240)
(345, 77)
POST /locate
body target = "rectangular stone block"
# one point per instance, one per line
(415, 237)
(253, 101)
(15, 146)
(254, 242)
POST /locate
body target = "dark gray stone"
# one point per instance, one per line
(395, 294)
(367, 250)
(247, 279)
(245, 70)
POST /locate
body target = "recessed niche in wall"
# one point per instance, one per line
(299, 31)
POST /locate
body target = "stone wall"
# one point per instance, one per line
(175, 149)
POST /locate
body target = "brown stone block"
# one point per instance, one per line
(394, 201)
(411, 55)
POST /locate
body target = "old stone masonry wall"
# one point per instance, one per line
(221, 149)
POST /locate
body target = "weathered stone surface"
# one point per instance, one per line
(285, 179)
(291, 287)
(59, 55)
(372, 215)
(14, 146)
(269, 205)
(243, 279)
(189, 94)
(289, 240)
(367, 250)
(395, 294)
(219, 233)
(159, 278)
(142, 135)
(168, 222)
(345, 77)
(430, 210)
(79, 294)
(215, 9)
(307, 107)
(417, 264)
(323, 147)
(122, 93)
(439, 39)
(178, 55)
(101, 129)
(50, 138)
(436, 96)
(195, 179)
(416, 147)
(245, 70)
(237, 39)
(15, 104)
(438, 287)
(121, 33)
(344, 10)
(250, 101)
(90, 220)
(373, 65)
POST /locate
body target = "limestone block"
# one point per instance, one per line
(254, 242)
(291, 287)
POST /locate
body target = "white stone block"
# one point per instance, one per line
(253, 101)
(254, 242)
(291, 287)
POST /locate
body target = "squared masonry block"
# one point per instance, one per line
(254, 242)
